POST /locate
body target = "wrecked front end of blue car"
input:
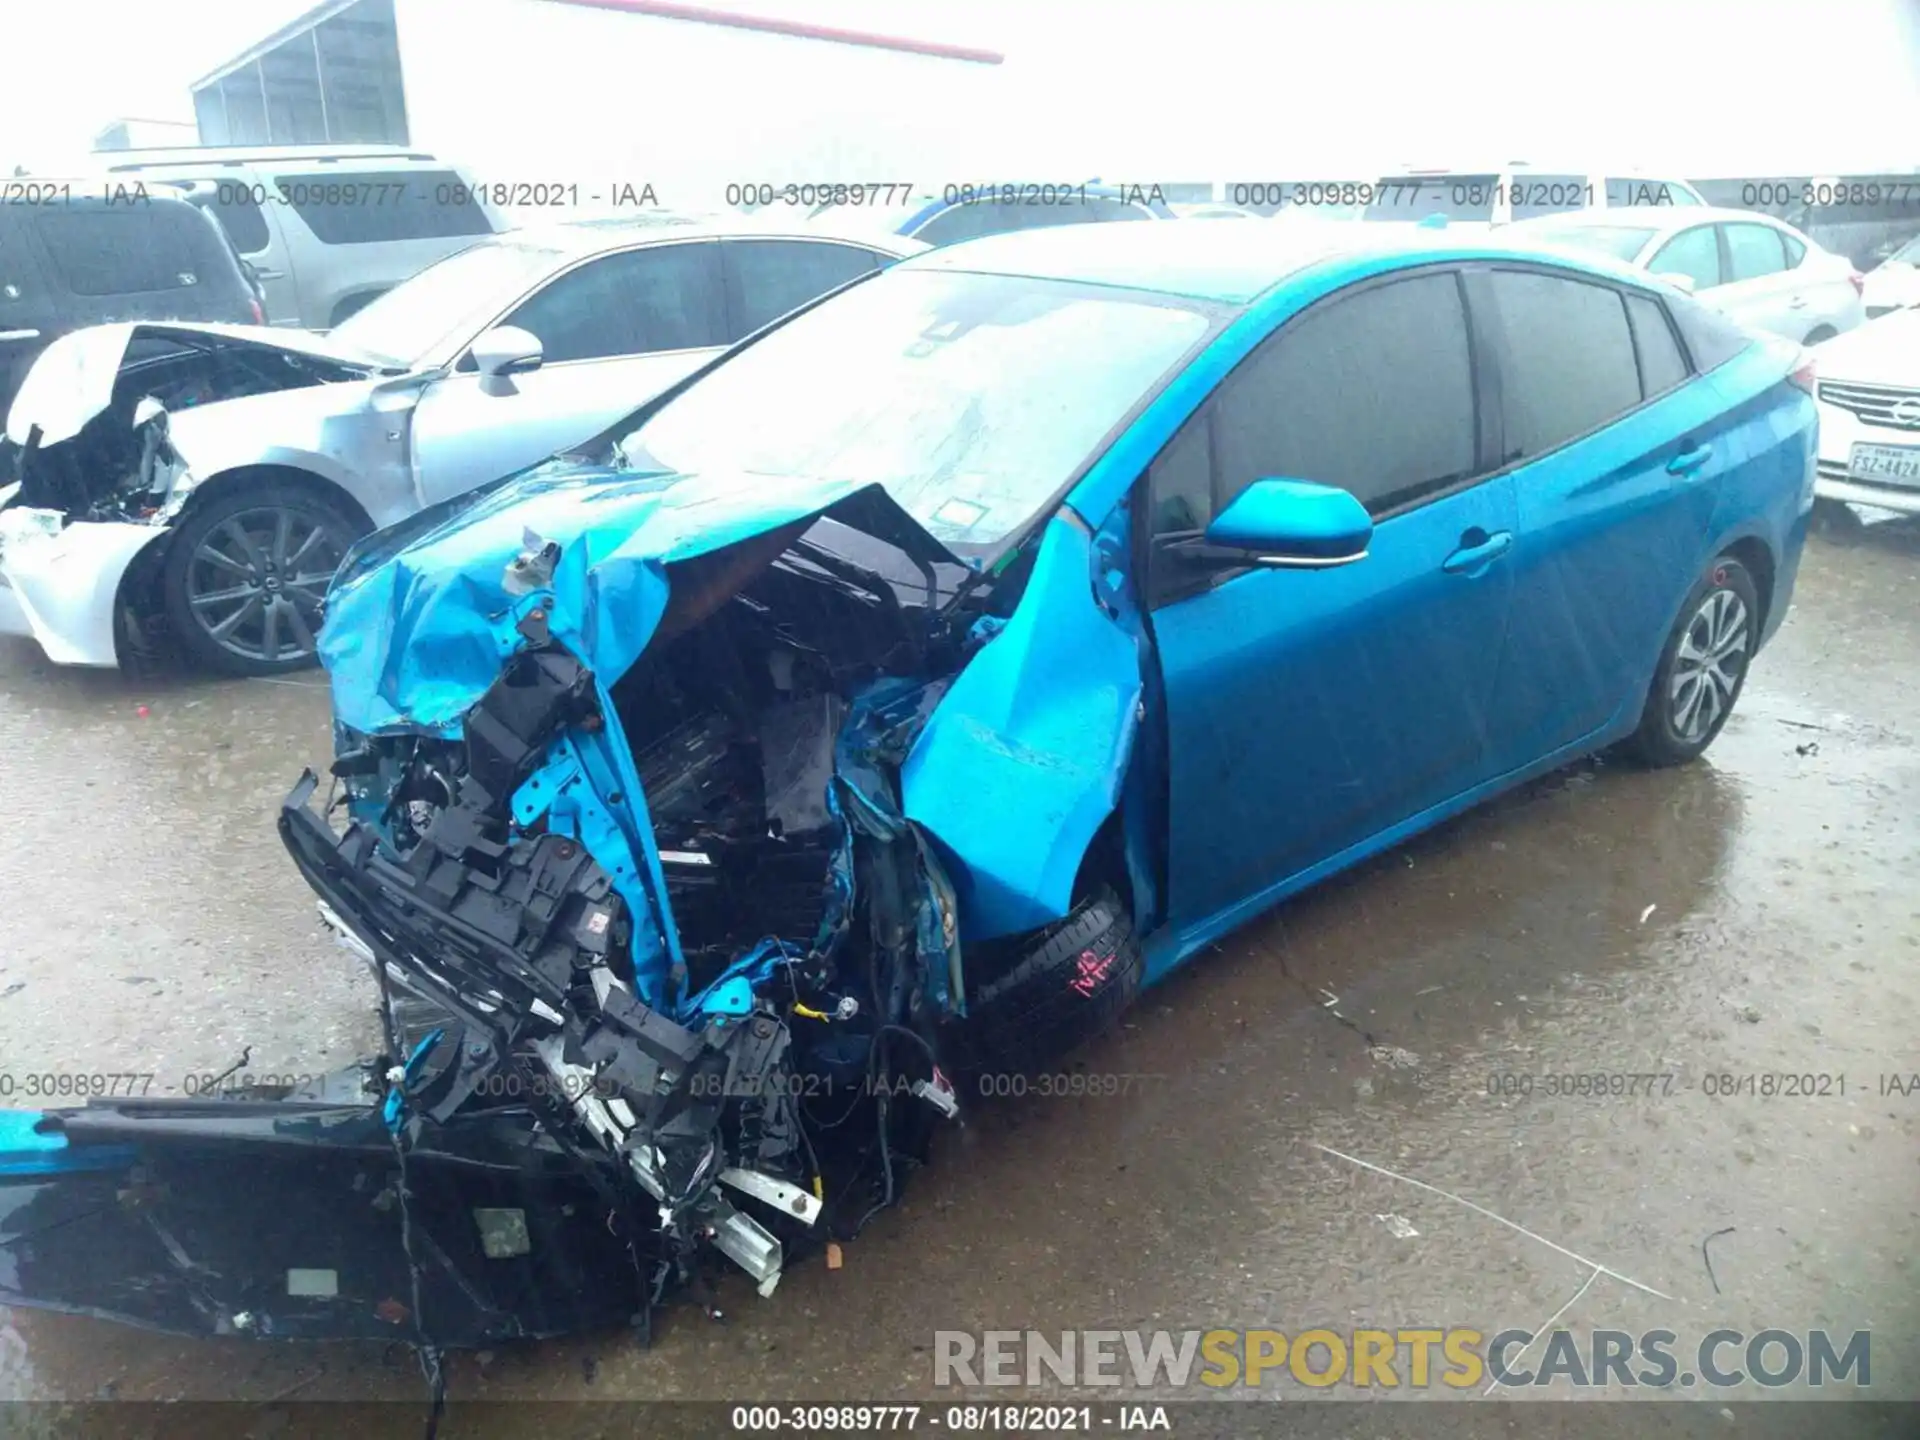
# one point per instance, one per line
(673, 819)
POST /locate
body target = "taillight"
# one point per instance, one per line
(1803, 376)
(1859, 282)
(259, 315)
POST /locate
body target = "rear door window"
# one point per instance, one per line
(1693, 253)
(385, 205)
(1753, 251)
(234, 207)
(1567, 363)
(662, 297)
(767, 278)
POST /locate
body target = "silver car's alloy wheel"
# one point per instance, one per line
(1708, 665)
(256, 581)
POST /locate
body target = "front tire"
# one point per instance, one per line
(1072, 982)
(246, 572)
(1703, 668)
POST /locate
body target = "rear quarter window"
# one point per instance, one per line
(135, 249)
(1662, 366)
(1711, 339)
(383, 206)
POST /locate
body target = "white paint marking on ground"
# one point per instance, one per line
(1482, 1210)
(1542, 1329)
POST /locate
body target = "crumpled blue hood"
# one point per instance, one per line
(420, 619)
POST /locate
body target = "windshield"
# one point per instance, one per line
(972, 398)
(445, 302)
(1416, 197)
(1621, 242)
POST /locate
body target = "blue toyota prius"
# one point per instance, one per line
(871, 717)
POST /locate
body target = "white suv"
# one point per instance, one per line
(325, 228)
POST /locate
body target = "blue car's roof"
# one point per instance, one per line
(1229, 263)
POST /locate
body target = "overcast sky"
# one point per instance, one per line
(1214, 88)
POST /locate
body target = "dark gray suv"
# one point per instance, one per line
(74, 254)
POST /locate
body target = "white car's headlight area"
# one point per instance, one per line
(24, 526)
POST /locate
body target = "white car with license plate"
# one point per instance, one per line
(1750, 267)
(1869, 395)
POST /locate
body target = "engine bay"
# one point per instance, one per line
(119, 466)
(713, 1031)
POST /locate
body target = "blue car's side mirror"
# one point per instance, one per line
(1287, 523)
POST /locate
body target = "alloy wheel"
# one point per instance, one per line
(1708, 665)
(256, 581)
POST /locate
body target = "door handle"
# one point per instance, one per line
(1481, 552)
(1799, 302)
(268, 274)
(1688, 461)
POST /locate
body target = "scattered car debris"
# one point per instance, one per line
(1401, 1227)
(1646, 913)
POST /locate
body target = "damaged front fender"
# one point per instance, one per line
(61, 583)
(1024, 760)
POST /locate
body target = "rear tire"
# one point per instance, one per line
(1703, 668)
(245, 574)
(1075, 979)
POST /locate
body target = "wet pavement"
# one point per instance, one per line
(1757, 912)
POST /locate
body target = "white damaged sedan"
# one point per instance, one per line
(195, 486)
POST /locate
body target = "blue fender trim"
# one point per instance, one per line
(1024, 759)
